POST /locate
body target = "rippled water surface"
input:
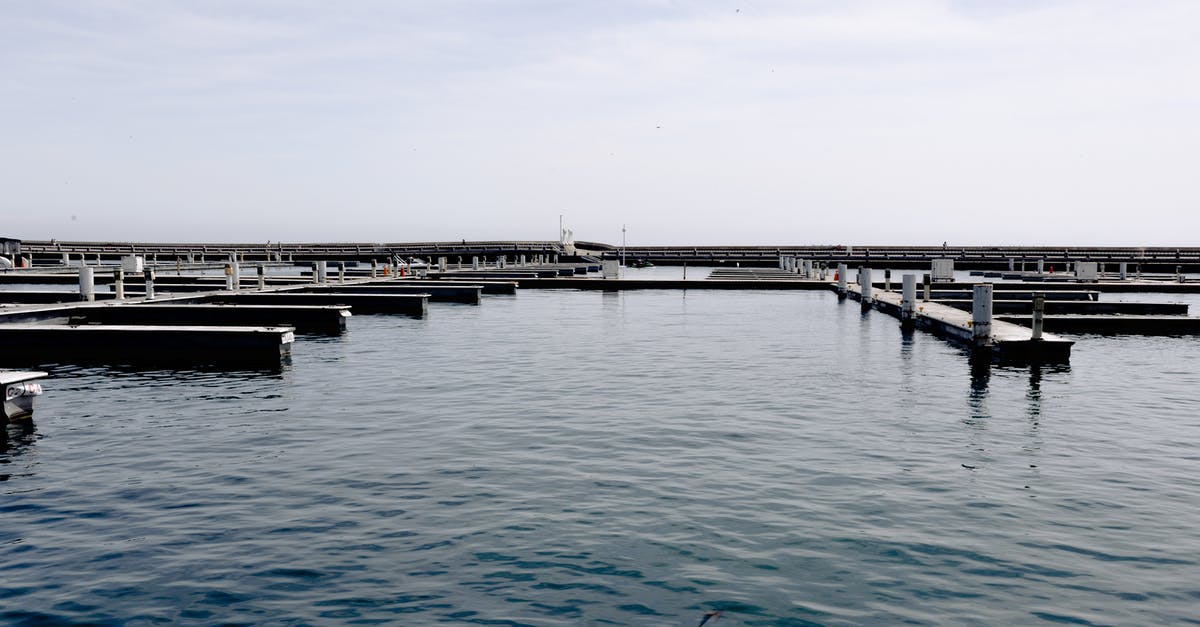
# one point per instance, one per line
(581, 458)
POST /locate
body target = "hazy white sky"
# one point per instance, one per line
(724, 122)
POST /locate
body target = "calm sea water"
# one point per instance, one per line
(579, 458)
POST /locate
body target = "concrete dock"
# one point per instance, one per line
(1006, 342)
(144, 345)
(329, 320)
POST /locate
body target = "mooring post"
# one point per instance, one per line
(1039, 313)
(262, 276)
(925, 288)
(228, 276)
(87, 284)
(237, 276)
(841, 279)
(374, 268)
(322, 273)
(1122, 268)
(1179, 274)
(442, 264)
(316, 277)
(341, 272)
(119, 282)
(981, 314)
(864, 287)
(1011, 264)
(887, 280)
(66, 259)
(908, 302)
(148, 275)
(475, 263)
(1041, 265)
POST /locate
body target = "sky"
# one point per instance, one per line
(726, 122)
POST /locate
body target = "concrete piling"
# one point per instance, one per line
(908, 302)
(981, 314)
(925, 287)
(1122, 267)
(1039, 314)
(262, 277)
(864, 286)
(374, 268)
(229, 276)
(341, 272)
(887, 280)
(841, 279)
(474, 263)
(119, 283)
(322, 273)
(87, 284)
(316, 273)
(148, 275)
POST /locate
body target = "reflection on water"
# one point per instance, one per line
(555, 459)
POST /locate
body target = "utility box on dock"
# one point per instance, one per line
(133, 263)
(943, 270)
(611, 269)
(1087, 271)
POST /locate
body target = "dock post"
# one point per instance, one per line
(1123, 267)
(374, 268)
(442, 264)
(237, 276)
(119, 283)
(316, 273)
(1011, 264)
(148, 274)
(841, 279)
(925, 287)
(1039, 313)
(1179, 274)
(229, 276)
(87, 284)
(262, 276)
(521, 261)
(322, 273)
(66, 259)
(981, 314)
(475, 263)
(341, 272)
(864, 286)
(1041, 264)
(887, 280)
(908, 302)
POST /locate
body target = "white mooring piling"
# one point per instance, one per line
(341, 272)
(841, 279)
(925, 287)
(1041, 266)
(887, 280)
(229, 276)
(148, 275)
(374, 268)
(1123, 267)
(864, 286)
(474, 263)
(119, 283)
(262, 277)
(237, 276)
(1039, 314)
(981, 314)
(322, 273)
(908, 301)
(87, 284)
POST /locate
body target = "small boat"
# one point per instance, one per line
(20, 388)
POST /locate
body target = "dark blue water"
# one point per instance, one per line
(579, 458)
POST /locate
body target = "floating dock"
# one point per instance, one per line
(329, 320)
(153, 345)
(1006, 342)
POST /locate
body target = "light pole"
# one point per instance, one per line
(622, 244)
